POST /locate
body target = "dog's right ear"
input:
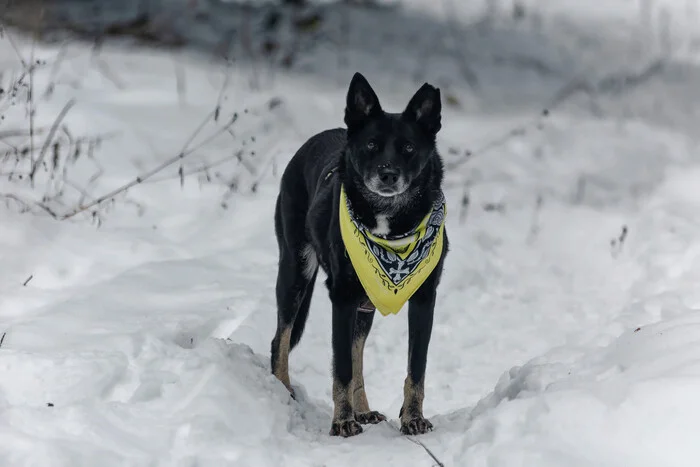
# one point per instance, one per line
(425, 108)
(362, 102)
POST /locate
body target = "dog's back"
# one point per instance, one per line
(312, 162)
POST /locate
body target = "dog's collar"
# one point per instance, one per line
(392, 269)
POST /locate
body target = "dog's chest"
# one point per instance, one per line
(383, 226)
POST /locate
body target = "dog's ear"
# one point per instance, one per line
(362, 102)
(424, 108)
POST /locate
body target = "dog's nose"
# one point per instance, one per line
(388, 175)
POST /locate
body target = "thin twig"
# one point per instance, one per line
(237, 156)
(419, 443)
(49, 137)
(27, 281)
(430, 453)
(261, 174)
(83, 193)
(55, 67)
(30, 95)
(2, 339)
(210, 116)
(90, 181)
(215, 134)
(27, 204)
(30, 98)
(7, 143)
(219, 99)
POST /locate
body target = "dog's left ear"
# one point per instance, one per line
(425, 108)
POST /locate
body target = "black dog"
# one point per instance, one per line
(392, 176)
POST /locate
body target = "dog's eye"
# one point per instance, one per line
(408, 148)
(372, 146)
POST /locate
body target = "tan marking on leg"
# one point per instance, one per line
(412, 420)
(281, 370)
(344, 423)
(413, 395)
(360, 403)
(342, 401)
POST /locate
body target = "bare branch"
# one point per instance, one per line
(29, 204)
(140, 179)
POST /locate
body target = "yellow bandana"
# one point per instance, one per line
(392, 269)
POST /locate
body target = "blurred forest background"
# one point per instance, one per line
(206, 23)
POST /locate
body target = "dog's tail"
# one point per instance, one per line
(302, 314)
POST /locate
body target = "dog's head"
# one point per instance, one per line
(389, 151)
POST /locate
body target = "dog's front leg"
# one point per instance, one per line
(344, 423)
(420, 324)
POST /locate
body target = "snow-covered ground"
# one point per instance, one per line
(559, 339)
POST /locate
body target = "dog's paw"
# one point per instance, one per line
(416, 426)
(372, 417)
(345, 428)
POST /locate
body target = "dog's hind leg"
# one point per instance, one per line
(294, 292)
(295, 282)
(363, 414)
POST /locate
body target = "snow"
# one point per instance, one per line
(145, 340)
